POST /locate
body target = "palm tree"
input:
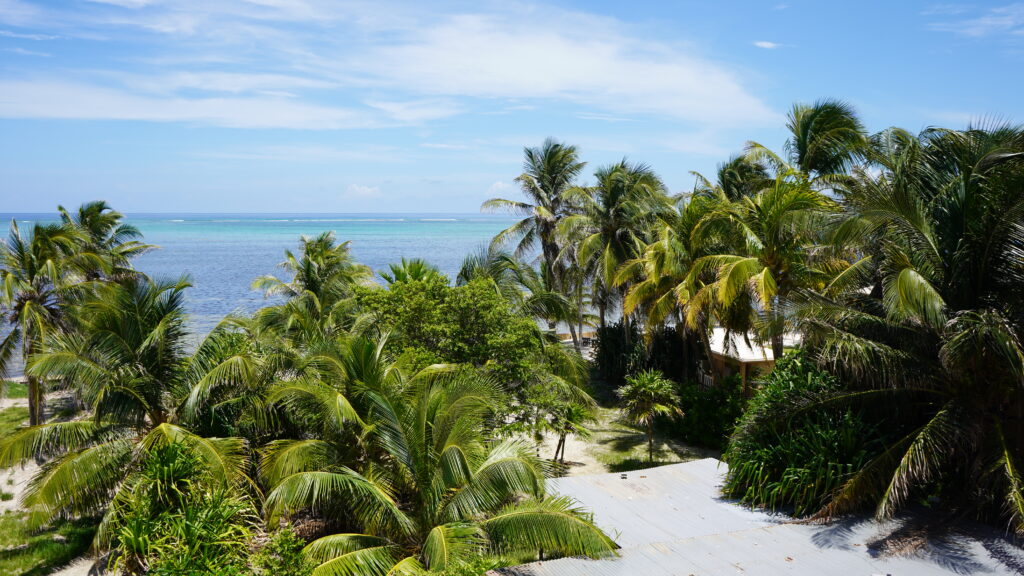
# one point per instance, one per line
(772, 250)
(127, 361)
(438, 495)
(613, 220)
(826, 139)
(522, 286)
(105, 235)
(645, 397)
(33, 287)
(739, 177)
(940, 332)
(411, 270)
(570, 419)
(548, 174)
(324, 269)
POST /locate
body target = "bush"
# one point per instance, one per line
(282, 555)
(783, 458)
(618, 357)
(710, 414)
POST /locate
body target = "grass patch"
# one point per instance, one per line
(621, 447)
(15, 390)
(12, 418)
(38, 553)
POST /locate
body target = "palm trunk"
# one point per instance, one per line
(36, 401)
(36, 395)
(650, 441)
(575, 338)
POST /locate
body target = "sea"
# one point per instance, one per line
(223, 253)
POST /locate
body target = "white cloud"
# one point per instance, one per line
(24, 52)
(363, 191)
(1008, 20)
(9, 34)
(491, 56)
(54, 99)
(766, 45)
(361, 64)
(498, 188)
(125, 3)
(417, 111)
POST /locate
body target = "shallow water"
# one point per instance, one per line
(223, 253)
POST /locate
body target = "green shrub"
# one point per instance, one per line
(709, 414)
(781, 457)
(282, 555)
(6, 496)
(618, 356)
(173, 521)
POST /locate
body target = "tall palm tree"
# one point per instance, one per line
(645, 397)
(613, 220)
(439, 495)
(34, 283)
(940, 332)
(105, 235)
(127, 361)
(548, 173)
(775, 250)
(826, 140)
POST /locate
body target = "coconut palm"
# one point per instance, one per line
(548, 173)
(127, 362)
(645, 397)
(323, 269)
(411, 270)
(772, 250)
(942, 338)
(826, 140)
(34, 282)
(613, 218)
(439, 495)
(106, 235)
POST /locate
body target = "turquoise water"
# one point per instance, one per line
(223, 253)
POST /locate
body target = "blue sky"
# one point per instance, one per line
(335, 106)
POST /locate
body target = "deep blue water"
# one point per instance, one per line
(224, 253)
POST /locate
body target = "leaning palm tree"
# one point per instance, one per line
(935, 324)
(105, 234)
(438, 494)
(128, 364)
(645, 397)
(34, 285)
(548, 174)
(521, 285)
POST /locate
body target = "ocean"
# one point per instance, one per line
(223, 253)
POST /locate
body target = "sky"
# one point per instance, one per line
(336, 106)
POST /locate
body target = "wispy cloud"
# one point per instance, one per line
(766, 44)
(317, 64)
(1005, 20)
(24, 52)
(363, 191)
(22, 36)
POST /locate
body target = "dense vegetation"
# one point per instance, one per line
(346, 428)
(357, 427)
(898, 257)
